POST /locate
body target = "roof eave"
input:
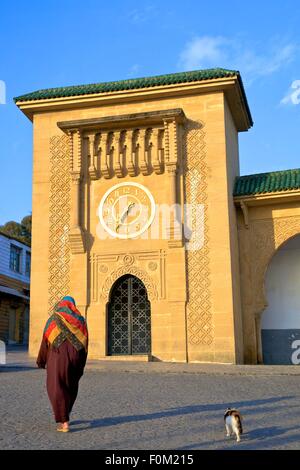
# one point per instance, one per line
(271, 197)
(232, 87)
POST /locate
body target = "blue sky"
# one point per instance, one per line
(56, 43)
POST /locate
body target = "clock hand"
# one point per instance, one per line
(126, 212)
(130, 206)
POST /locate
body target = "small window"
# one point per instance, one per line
(15, 258)
(27, 263)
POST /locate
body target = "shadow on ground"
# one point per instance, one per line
(261, 438)
(16, 368)
(190, 409)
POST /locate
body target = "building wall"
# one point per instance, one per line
(267, 224)
(205, 330)
(281, 319)
(5, 244)
(4, 318)
(233, 170)
(10, 306)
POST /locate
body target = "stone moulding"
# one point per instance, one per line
(127, 144)
(77, 241)
(119, 120)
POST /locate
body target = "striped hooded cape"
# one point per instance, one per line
(66, 323)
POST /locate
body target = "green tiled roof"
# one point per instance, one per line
(104, 87)
(262, 183)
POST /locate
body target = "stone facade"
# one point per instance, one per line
(181, 143)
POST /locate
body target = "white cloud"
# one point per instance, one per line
(134, 69)
(256, 61)
(293, 95)
(202, 51)
(2, 92)
(141, 15)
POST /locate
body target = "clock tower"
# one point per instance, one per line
(133, 213)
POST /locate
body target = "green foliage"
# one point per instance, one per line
(20, 231)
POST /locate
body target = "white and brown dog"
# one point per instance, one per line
(233, 423)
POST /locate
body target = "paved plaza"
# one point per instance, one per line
(152, 406)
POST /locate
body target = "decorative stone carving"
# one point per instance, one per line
(76, 236)
(152, 266)
(104, 154)
(92, 156)
(119, 152)
(199, 314)
(59, 219)
(130, 144)
(128, 260)
(143, 151)
(140, 273)
(139, 264)
(103, 268)
(157, 150)
(266, 237)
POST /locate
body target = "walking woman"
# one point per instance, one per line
(63, 353)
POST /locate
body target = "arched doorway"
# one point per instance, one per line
(129, 318)
(280, 325)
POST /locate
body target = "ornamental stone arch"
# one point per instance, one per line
(267, 236)
(135, 271)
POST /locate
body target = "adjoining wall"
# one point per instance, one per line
(265, 225)
(281, 319)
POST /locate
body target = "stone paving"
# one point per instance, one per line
(154, 406)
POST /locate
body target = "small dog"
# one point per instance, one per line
(233, 423)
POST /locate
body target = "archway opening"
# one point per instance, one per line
(280, 325)
(129, 318)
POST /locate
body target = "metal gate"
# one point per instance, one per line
(129, 320)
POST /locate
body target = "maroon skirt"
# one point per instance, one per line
(65, 367)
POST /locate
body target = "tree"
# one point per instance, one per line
(20, 231)
(26, 227)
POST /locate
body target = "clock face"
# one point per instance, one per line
(126, 210)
